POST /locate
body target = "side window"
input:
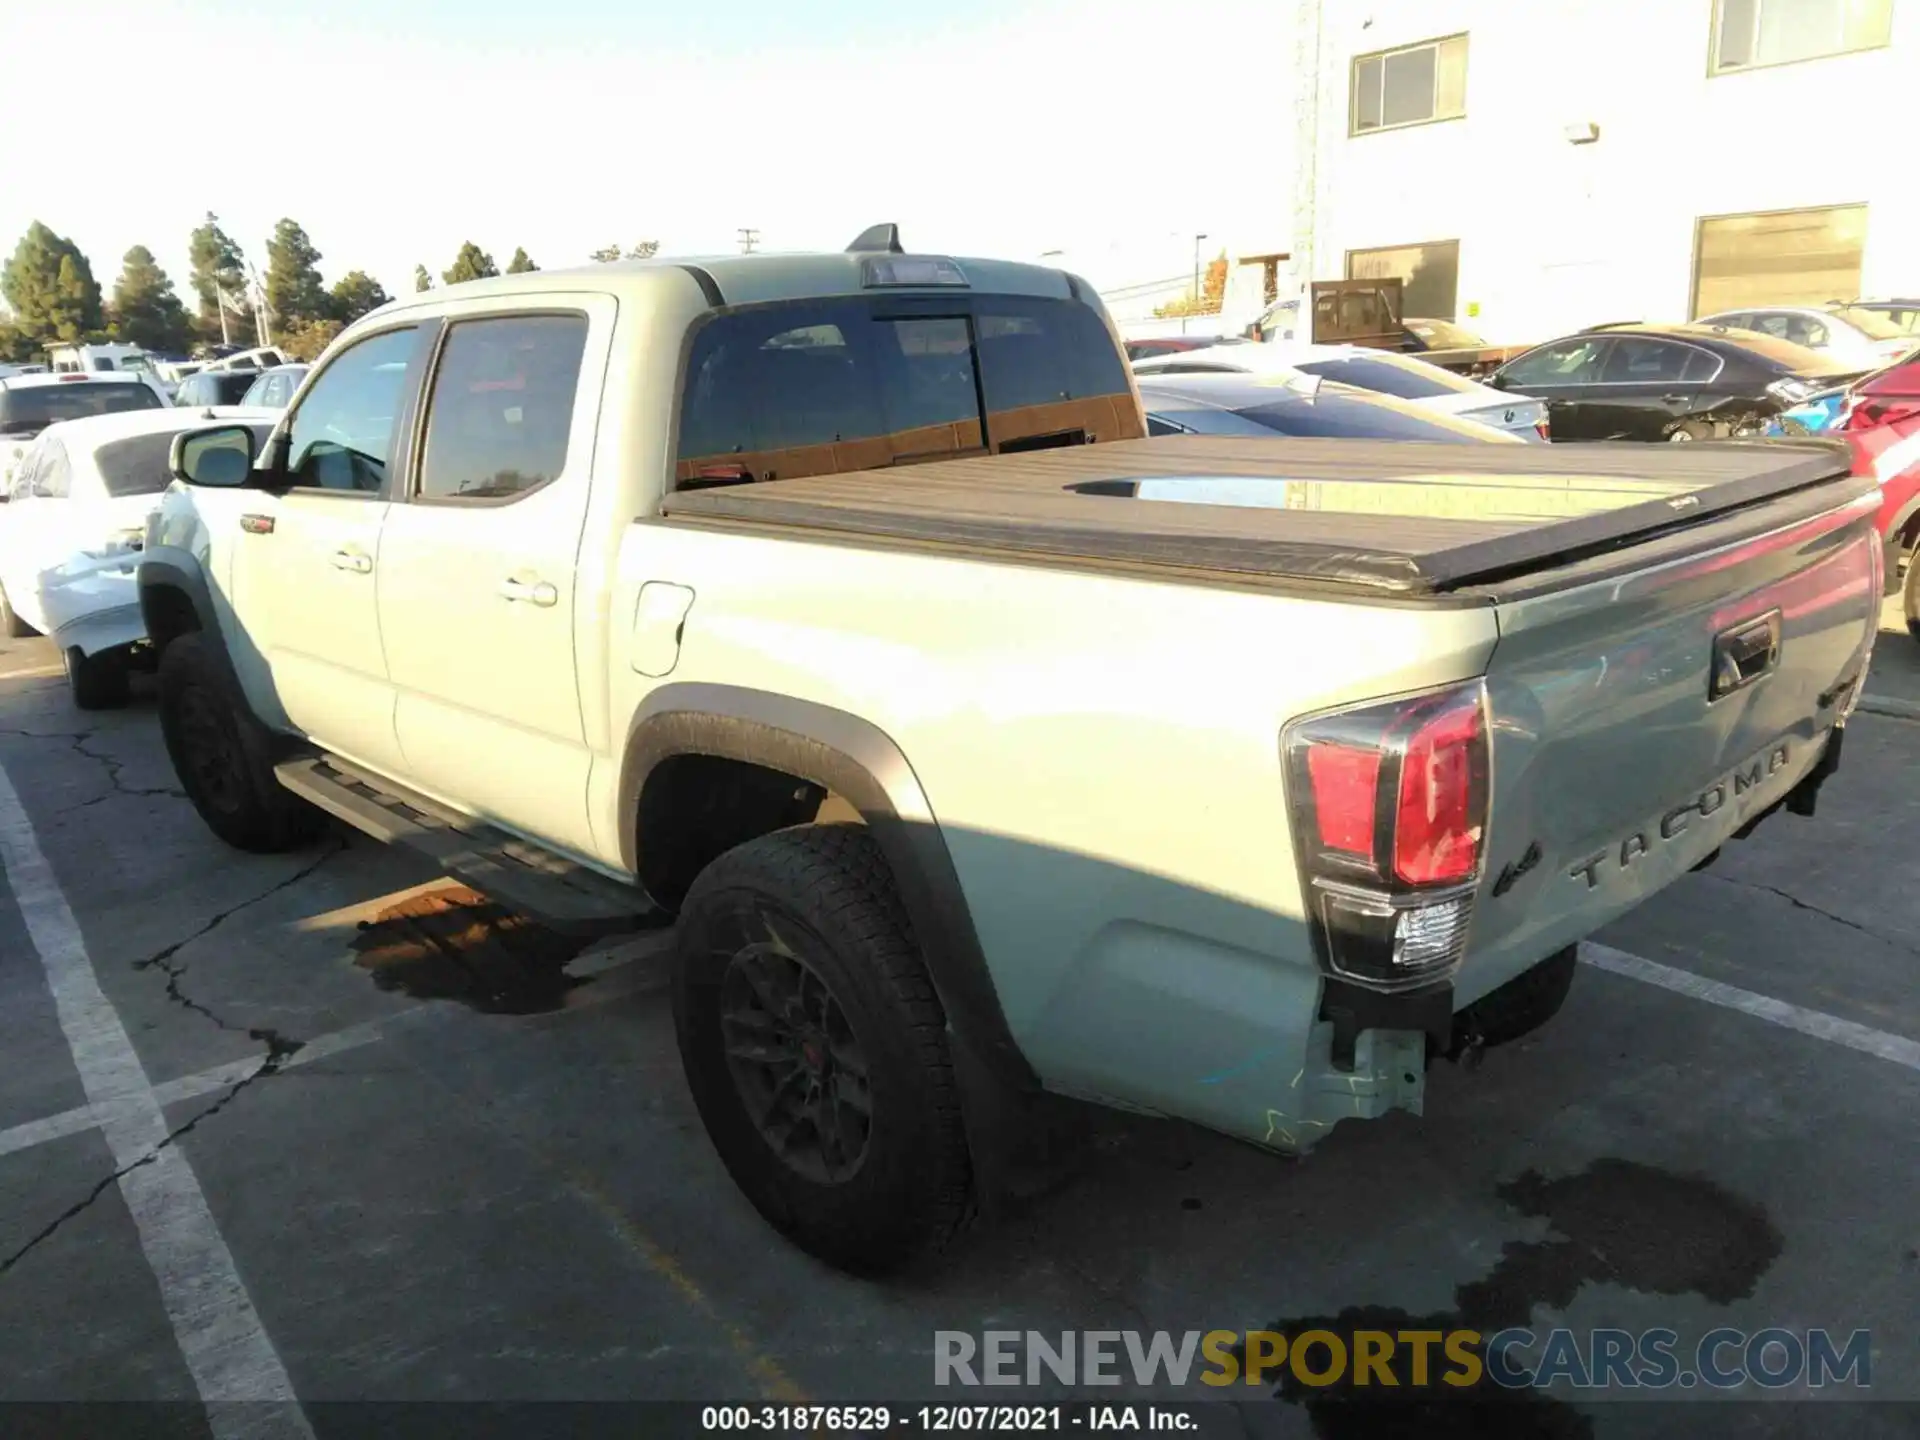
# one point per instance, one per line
(342, 433)
(1568, 362)
(1807, 331)
(502, 406)
(1635, 361)
(1776, 325)
(53, 476)
(1701, 367)
(1157, 426)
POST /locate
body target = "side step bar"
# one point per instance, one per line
(555, 891)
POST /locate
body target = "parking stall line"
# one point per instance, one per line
(1897, 1049)
(242, 1383)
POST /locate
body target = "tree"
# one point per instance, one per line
(50, 288)
(605, 253)
(16, 346)
(472, 263)
(216, 264)
(1213, 292)
(146, 311)
(295, 291)
(422, 281)
(520, 264)
(644, 250)
(357, 294)
(305, 339)
(640, 250)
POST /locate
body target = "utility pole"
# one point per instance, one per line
(1196, 283)
(748, 239)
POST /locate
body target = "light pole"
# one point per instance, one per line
(1196, 283)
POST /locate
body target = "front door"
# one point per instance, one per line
(306, 559)
(480, 584)
(1566, 375)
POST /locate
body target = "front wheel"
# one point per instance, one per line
(224, 755)
(1910, 592)
(98, 682)
(816, 1049)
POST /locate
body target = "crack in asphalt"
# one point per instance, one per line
(1799, 904)
(280, 1049)
(78, 740)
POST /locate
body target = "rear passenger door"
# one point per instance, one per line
(1649, 388)
(480, 586)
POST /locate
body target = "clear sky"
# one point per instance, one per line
(393, 130)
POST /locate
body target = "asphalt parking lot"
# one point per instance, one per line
(261, 1140)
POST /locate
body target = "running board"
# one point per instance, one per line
(557, 892)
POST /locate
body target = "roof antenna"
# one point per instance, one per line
(877, 237)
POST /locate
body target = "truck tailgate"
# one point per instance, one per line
(1640, 719)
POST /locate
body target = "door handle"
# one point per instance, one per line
(542, 593)
(358, 561)
(1675, 399)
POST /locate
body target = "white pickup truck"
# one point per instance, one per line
(984, 750)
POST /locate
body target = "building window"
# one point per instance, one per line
(1429, 275)
(1410, 86)
(1779, 257)
(1750, 33)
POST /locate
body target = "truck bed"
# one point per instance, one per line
(1394, 519)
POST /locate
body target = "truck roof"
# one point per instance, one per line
(1390, 518)
(750, 279)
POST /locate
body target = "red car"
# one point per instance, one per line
(1881, 424)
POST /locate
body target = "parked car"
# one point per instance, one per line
(1177, 344)
(1855, 336)
(975, 779)
(71, 535)
(273, 389)
(1903, 313)
(1879, 420)
(1452, 347)
(1401, 376)
(30, 403)
(215, 387)
(1633, 381)
(1297, 405)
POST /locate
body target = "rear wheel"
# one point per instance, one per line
(10, 622)
(816, 1049)
(1692, 430)
(224, 755)
(98, 682)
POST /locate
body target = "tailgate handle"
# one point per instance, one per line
(1744, 654)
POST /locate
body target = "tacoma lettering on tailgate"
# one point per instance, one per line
(1750, 776)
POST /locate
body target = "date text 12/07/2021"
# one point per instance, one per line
(946, 1419)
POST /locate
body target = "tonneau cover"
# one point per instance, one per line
(1394, 518)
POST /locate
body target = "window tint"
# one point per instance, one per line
(502, 406)
(1568, 362)
(30, 409)
(1387, 378)
(1636, 361)
(825, 386)
(1701, 367)
(343, 430)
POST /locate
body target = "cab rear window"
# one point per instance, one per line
(819, 387)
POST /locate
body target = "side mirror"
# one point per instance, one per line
(1496, 380)
(220, 457)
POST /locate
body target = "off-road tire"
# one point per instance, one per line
(224, 755)
(1910, 592)
(10, 622)
(824, 893)
(1526, 1002)
(98, 682)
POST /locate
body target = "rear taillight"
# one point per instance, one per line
(1389, 817)
(1546, 432)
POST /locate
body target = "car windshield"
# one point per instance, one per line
(30, 409)
(1874, 324)
(1389, 377)
(1445, 335)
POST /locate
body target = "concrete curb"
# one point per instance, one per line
(1885, 705)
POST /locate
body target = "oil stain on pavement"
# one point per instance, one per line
(456, 944)
(1616, 1222)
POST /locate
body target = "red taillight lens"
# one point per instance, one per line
(1436, 834)
(1346, 783)
(1543, 428)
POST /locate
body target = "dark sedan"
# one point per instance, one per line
(1237, 404)
(1668, 382)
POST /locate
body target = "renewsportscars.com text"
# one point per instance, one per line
(1657, 1359)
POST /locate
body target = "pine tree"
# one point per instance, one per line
(520, 264)
(295, 291)
(472, 263)
(357, 294)
(146, 311)
(216, 265)
(422, 281)
(605, 254)
(50, 288)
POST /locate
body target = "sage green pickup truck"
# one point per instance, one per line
(835, 608)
